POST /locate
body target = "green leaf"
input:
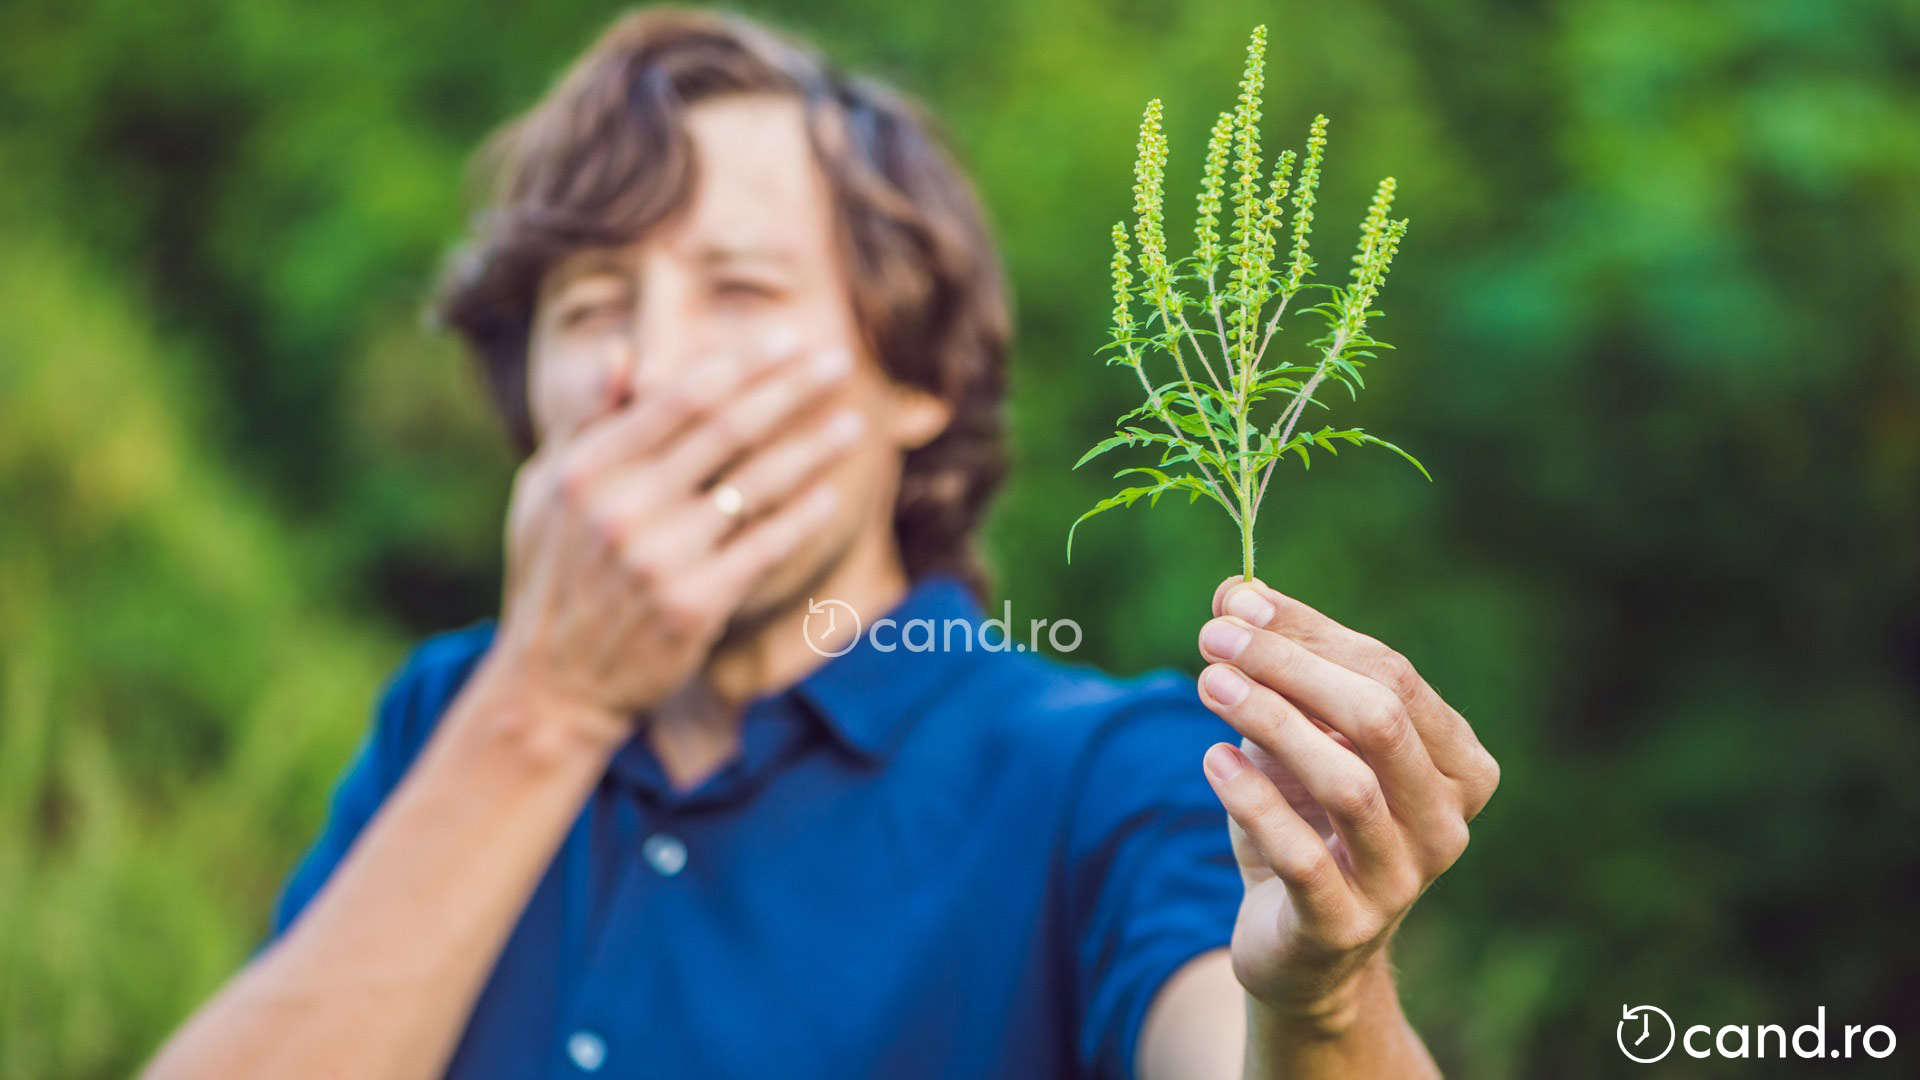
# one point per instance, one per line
(1104, 446)
(1127, 497)
(1415, 462)
(1192, 425)
(1160, 479)
(1346, 368)
(1124, 498)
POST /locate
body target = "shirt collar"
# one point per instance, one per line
(868, 696)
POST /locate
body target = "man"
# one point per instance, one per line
(745, 318)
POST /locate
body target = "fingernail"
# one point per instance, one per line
(830, 364)
(845, 426)
(1249, 605)
(1223, 640)
(1224, 686)
(1224, 762)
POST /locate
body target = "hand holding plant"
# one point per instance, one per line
(1203, 419)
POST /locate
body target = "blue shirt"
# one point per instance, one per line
(961, 863)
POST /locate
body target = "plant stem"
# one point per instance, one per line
(1246, 539)
(1219, 324)
(1249, 374)
(1300, 403)
(1199, 349)
(1272, 325)
(1297, 406)
(1166, 416)
(1180, 360)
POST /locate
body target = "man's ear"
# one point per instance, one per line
(914, 417)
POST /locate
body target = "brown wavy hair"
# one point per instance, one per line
(604, 157)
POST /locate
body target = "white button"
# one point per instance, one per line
(588, 1051)
(665, 852)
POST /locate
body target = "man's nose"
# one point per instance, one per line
(663, 340)
(617, 371)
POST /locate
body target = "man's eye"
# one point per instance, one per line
(580, 315)
(739, 290)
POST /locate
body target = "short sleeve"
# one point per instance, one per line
(1152, 880)
(410, 705)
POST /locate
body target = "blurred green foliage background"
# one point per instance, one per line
(1658, 324)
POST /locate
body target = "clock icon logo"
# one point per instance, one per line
(828, 634)
(1647, 1045)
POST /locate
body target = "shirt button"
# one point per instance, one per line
(588, 1051)
(665, 852)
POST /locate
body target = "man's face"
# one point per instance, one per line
(752, 259)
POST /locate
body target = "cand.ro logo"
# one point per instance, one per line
(1645, 1040)
(1652, 1041)
(832, 628)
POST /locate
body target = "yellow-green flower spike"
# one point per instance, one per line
(1303, 195)
(1122, 285)
(1279, 187)
(1246, 144)
(1370, 277)
(1206, 229)
(1249, 212)
(1372, 228)
(1149, 172)
(1277, 190)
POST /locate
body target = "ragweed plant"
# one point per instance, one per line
(1208, 319)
